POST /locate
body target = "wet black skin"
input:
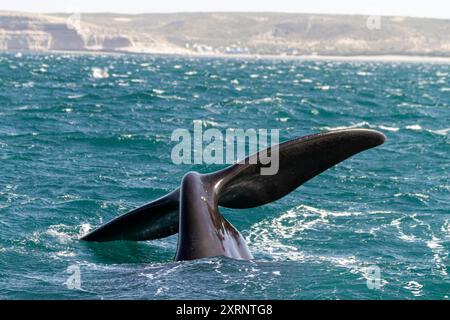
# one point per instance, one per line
(193, 209)
(203, 231)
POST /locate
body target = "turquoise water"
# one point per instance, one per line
(79, 147)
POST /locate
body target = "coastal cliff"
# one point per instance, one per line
(226, 33)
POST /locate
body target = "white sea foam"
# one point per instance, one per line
(84, 229)
(397, 223)
(61, 236)
(271, 236)
(414, 127)
(75, 96)
(99, 73)
(65, 234)
(364, 73)
(441, 132)
(65, 254)
(324, 88)
(415, 288)
(391, 129)
(446, 228)
(434, 243)
(158, 91)
(416, 195)
(355, 125)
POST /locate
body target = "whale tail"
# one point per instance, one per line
(192, 210)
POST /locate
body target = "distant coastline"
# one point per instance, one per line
(358, 58)
(231, 35)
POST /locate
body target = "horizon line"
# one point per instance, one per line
(223, 12)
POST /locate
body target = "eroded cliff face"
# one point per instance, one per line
(44, 33)
(225, 33)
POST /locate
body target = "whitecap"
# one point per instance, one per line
(271, 236)
(446, 228)
(65, 254)
(116, 75)
(69, 197)
(414, 127)
(99, 73)
(441, 132)
(395, 92)
(324, 88)
(55, 232)
(397, 223)
(125, 136)
(391, 129)
(434, 243)
(75, 96)
(123, 83)
(158, 91)
(356, 125)
(28, 84)
(439, 253)
(210, 123)
(84, 229)
(415, 288)
(363, 73)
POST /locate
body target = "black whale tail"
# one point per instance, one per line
(192, 210)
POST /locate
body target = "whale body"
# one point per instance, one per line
(192, 210)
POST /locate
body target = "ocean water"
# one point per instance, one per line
(85, 138)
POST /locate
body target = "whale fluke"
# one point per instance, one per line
(193, 209)
(157, 219)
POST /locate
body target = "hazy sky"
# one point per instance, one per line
(417, 8)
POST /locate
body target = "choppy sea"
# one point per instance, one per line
(84, 138)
